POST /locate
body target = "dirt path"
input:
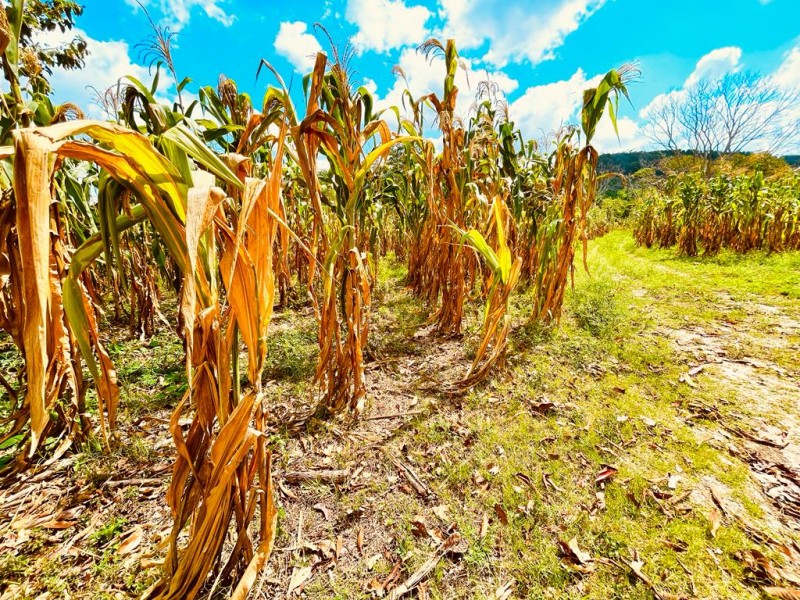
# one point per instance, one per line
(759, 419)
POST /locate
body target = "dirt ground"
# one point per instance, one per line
(371, 508)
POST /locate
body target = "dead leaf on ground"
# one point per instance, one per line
(300, 575)
(574, 555)
(782, 593)
(542, 408)
(504, 591)
(761, 567)
(484, 525)
(131, 540)
(418, 527)
(715, 518)
(326, 512)
(480, 481)
(606, 474)
(501, 514)
(442, 512)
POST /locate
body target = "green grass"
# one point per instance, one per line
(613, 377)
(610, 377)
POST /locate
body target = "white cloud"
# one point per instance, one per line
(177, 13)
(370, 85)
(788, 73)
(386, 24)
(630, 135)
(296, 45)
(715, 64)
(515, 32)
(107, 62)
(543, 109)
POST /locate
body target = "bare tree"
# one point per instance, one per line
(737, 112)
(662, 126)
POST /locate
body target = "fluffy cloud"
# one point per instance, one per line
(177, 13)
(788, 73)
(630, 136)
(715, 64)
(296, 45)
(386, 24)
(543, 109)
(108, 61)
(515, 32)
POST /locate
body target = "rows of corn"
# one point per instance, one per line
(741, 212)
(236, 209)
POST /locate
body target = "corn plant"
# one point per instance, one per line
(574, 186)
(504, 276)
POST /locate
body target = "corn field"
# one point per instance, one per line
(224, 205)
(738, 212)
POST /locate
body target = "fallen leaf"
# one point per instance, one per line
(678, 545)
(456, 545)
(326, 512)
(480, 481)
(442, 512)
(376, 587)
(504, 591)
(572, 551)
(418, 527)
(715, 518)
(300, 575)
(606, 474)
(501, 514)
(286, 491)
(131, 541)
(372, 561)
(782, 593)
(543, 408)
(760, 565)
(484, 525)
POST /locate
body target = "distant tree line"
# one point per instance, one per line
(628, 163)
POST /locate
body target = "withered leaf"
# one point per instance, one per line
(131, 540)
(501, 514)
(300, 575)
(782, 593)
(484, 525)
(418, 527)
(326, 512)
(504, 591)
(606, 474)
(573, 552)
(715, 518)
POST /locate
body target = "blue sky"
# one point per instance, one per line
(541, 52)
